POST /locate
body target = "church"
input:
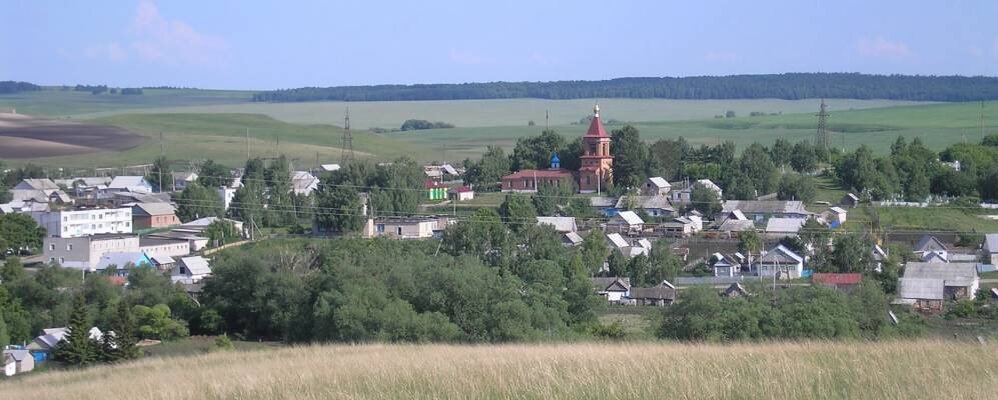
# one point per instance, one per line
(595, 172)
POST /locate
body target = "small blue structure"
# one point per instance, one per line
(555, 161)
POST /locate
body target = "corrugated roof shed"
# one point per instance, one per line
(560, 224)
(921, 288)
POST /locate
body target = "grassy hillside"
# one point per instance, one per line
(53, 102)
(893, 370)
(222, 137)
(509, 112)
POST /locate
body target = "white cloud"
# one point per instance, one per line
(720, 56)
(881, 47)
(108, 51)
(172, 41)
(154, 38)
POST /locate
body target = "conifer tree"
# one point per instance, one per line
(77, 348)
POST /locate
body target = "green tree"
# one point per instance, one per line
(161, 167)
(487, 172)
(518, 212)
(121, 345)
(781, 152)
(631, 157)
(156, 323)
(797, 187)
(340, 209)
(669, 155)
(482, 235)
(197, 201)
(759, 169)
(214, 175)
(77, 349)
(594, 251)
(663, 264)
(749, 243)
(705, 200)
(18, 233)
(535, 152)
(852, 253)
(12, 270)
(248, 204)
(804, 158)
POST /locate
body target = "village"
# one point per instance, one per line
(109, 226)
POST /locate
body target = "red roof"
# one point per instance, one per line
(836, 279)
(596, 128)
(540, 173)
(462, 189)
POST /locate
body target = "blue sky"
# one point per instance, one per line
(266, 45)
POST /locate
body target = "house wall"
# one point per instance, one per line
(724, 271)
(10, 368)
(402, 230)
(770, 269)
(154, 221)
(615, 297)
(25, 365)
(85, 252)
(172, 249)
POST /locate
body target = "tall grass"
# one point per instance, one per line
(888, 370)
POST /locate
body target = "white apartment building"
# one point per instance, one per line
(77, 223)
(85, 252)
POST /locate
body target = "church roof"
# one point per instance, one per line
(596, 126)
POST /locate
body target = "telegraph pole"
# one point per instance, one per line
(247, 144)
(160, 168)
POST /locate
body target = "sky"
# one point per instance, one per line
(229, 44)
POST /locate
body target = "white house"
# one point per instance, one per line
(991, 248)
(463, 193)
(190, 270)
(684, 196)
(303, 183)
(129, 184)
(85, 222)
(22, 360)
(9, 365)
(780, 262)
(727, 266)
(614, 289)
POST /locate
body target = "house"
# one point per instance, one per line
(22, 359)
(605, 205)
(329, 167)
(560, 224)
(190, 270)
(155, 246)
(784, 227)
(990, 248)
(45, 343)
(727, 266)
(435, 190)
(405, 228)
(925, 286)
(226, 194)
(684, 196)
(735, 221)
(655, 186)
(626, 222)
(845, 283)
(203, 223)
(655, 206)
(85, 252)
(614, 289)
(153, 215)
(527, 180)
(571, 239)
(303, 183)
(837, 216)
(85, 221)
(462, 193)
(129, 184)
(163, 263)
(662, 294)
(935, 256)
(618, 243)
(43, 185)
(127, 199)
(780, 262)
(60, 197)
(121, 261)
(761, 211)
(183, 179)
(849, 200)
(735, 290)
(678, 227)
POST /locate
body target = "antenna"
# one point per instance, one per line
(347, 154)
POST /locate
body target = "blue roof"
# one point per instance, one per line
(555, 159)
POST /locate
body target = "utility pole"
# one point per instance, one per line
(982, 121)
(347, 151)
(547, 117)
(821, 137)
(160, 168)
(247, 144)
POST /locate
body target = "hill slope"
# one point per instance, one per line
(909, 370)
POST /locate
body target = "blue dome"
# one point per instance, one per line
(554, 159)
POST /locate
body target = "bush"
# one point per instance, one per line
(222, 342)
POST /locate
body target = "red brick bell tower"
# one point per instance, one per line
(597, 163)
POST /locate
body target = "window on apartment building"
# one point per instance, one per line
(398, 231)
(69, 247)
(51, 246)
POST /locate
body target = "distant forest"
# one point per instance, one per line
(15, 87)
(790, 86)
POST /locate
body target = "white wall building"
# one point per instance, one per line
(76, 223)
(85, 252)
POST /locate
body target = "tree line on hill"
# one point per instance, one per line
(790, 86)
(420, 124)
(17, 86)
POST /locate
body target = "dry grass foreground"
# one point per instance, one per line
(891, 370)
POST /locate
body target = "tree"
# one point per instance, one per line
(669, 155)
(749, 243)
(12, 270)
(852, 253)
(797, 187)
(781, 152)
(594, 251)
(197, 201)
(248, 205)
(489, 170)
(340, 209)
(221, 232)
(759, 169)
(397, 187)
(161, 167)
(535, 152)
(517, 212)
(663, 265)
(155, 323)
(214, 175)
(77, 348)
(482, 235)
(804, 158)
(18, 233)
(631, 157)
(705, 200)
(119, 342)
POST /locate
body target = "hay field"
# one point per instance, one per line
(889, 370)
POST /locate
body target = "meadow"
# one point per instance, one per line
(795, 370)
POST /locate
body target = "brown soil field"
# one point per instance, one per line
(23, 137)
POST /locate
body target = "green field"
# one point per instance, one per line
(212, 124)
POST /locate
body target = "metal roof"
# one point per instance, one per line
(766, 206)
(951, 274)
(991, 242)
(560, 224)
(659, 182)
(617, 240)
(921, 288)
(154, 208)
(784, 225)
(197, 265)
(630, 217)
